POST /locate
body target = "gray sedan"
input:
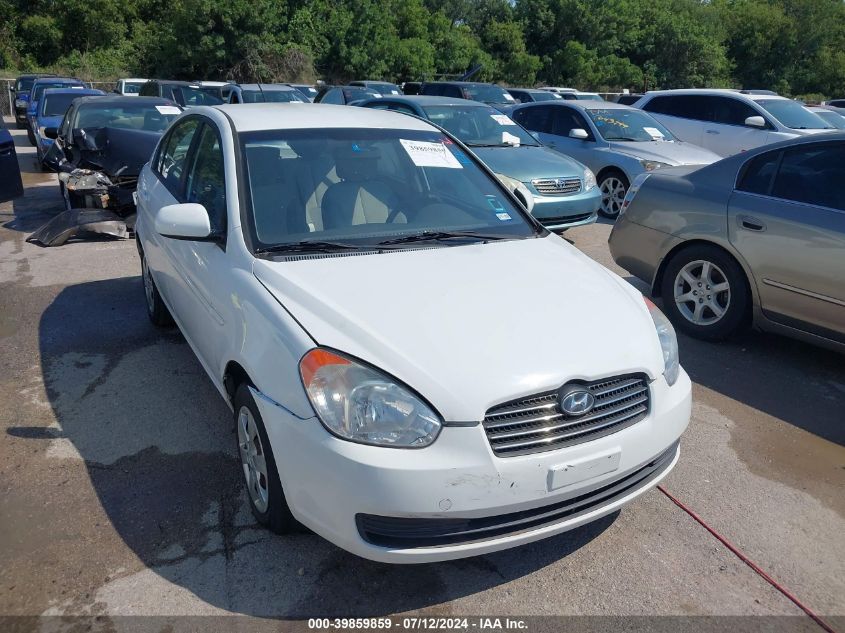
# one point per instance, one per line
(757, 237)
(616, 142)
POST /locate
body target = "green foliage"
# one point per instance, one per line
(792, 46)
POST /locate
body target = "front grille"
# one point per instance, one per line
(557, 186)
(536, 423)
(408, 532)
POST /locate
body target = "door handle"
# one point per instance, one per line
(712, 131)
(751, 223)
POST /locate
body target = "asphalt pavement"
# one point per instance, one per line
(120, 492)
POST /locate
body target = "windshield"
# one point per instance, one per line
(149, 117)
(488, 94)
(588, 97)
(132, 88)
(627, 124)
(479, 126)
(385, 88)
(309, 91)
(192, 96)
(273, 96)
(24, 84)
(40, 88)
(542, 95)
(365, 186)
(793, 115)
(57, 104)
(834, 119)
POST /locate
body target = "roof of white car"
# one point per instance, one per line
(712, 91)
(250, 117)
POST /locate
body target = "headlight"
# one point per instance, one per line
(668, 342)
(589, 179)
(651, 165)
(361, 404)
(20, 103)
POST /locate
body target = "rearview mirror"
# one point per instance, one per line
(755, 121)
(187, 221)
(51, 132)
(579, 133)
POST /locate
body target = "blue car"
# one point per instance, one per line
(20, 95)
(38, 88)
(11, 186)
(562, 190)
(52, 106)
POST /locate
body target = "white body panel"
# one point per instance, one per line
(457, 324)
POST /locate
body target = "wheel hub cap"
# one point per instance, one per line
(252, 460)
(612, 195)
(702, 292)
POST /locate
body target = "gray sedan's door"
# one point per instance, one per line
(787, 219)
(10, 174)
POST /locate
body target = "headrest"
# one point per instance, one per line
(357, 163)
(309, 148)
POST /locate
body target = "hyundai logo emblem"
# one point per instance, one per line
(576, 402)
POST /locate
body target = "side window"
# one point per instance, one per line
(64, 132)
(812, 175)
(759, 173)
(534, 119)
(174, 152)
(333, 96)
(565, 120)
(683, 106)
(729, 111)
(205, 183)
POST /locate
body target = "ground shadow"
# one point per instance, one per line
(158, 444)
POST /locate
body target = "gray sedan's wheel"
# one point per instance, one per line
(613, 186)
(704, 292)
(156, 310)
(263, 486)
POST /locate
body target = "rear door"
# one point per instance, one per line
(787, 219)
(11, 186)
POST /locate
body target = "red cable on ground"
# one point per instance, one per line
(774, 583)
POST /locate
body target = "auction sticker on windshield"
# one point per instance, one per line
(653, 132)
(425, 154)
(167, 109)
(502, 119)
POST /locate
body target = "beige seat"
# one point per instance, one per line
(313, 173)
(360, 197)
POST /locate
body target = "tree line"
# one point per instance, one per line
(796, 47)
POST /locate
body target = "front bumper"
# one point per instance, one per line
(567, 211)
(330, 484)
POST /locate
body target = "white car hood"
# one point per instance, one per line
(475, 325)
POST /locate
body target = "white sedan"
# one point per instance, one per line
(418, 371)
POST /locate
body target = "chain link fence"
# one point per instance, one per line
(7, 103)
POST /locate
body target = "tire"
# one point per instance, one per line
(21, 125)
(617, 185)
(261, 477)
(30, 136)
(156, 310)
(713, 315)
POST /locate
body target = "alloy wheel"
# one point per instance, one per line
(702, 292)
(252, 460)
(612, 195)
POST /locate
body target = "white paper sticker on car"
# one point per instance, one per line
(425, 154)
(504, 217)
(510, 138)
(509, 97)
(653, 132)
(502, 119)
(394, 92)
(167, 109)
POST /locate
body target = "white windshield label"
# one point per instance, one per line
(509, 97)
(167, 109)
(425, 154)
(653, 132)
(502, 119)
(510, 139)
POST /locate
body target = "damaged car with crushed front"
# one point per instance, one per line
(98, 151)
(417, 369)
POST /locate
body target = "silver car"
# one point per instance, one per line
(755, 238)
(617, 142)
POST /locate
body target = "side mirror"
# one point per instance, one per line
(756, 121)
(579, 133)
(51, 132)
(187, 221)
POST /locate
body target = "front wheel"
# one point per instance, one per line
(704, 293)
(30, 136)
(156, 310)
(263, 486)
(613, 186)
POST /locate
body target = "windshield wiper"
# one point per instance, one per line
(427, 236)
(498, 144)
(315, 246)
